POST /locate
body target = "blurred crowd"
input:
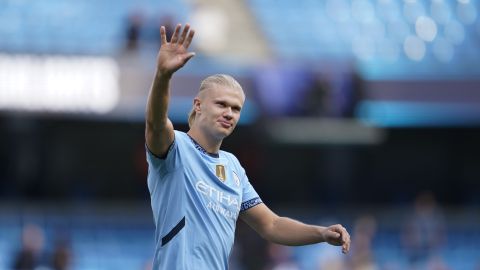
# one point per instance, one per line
(421, 235)
(33, 255)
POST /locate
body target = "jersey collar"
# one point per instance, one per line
(201, 149)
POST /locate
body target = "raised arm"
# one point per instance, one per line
(286, 231)
(172, 56)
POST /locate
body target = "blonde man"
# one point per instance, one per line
(199, 191)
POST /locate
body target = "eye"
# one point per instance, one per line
(221, 104)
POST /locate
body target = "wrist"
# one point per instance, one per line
(163, 75)
(322, 234)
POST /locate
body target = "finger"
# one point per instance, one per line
(176, 33)
(189, 39)
(347, 247)
(188, 56)
(185, 57)
(346, 241)
(342, 238)
(333, 236)
(345, 236)
(184, 34)
(163, 35)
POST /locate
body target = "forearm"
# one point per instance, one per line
(286, 231)
(157, 103)
(158, 128)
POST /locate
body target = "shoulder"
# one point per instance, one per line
(179, 134)
(229, 156)
(181, 137)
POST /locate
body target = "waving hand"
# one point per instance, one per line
(174, 54)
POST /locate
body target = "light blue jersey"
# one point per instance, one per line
(196, 199)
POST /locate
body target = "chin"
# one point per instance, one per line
(224, 133)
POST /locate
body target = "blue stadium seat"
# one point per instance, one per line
(309, 30)
(73, 27)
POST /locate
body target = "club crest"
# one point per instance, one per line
(236, 179)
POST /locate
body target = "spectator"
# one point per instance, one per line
(362, 257)
(424, 232)
(31, 255)
(62, 256)
(316, 100)
(280, 258)
(134, 27)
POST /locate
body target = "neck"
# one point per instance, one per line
(210, 144)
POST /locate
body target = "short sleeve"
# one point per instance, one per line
(158, 167)
(250, 196)
(162, 163)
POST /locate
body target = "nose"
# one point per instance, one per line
(228, 113)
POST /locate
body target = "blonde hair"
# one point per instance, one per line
(210, 82)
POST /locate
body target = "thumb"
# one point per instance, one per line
(332, 235)
(188, 56)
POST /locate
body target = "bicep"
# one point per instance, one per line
(260, 218)
(159, 138)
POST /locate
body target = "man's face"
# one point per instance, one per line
(218, 110)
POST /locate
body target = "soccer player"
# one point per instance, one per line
(197, 190)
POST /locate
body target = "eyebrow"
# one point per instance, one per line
(216, 100)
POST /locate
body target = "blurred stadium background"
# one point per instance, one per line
(364, 112)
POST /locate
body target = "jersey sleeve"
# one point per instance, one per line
(160, 166)
(161, 163)
(250, 196)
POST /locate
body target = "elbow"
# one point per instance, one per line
(268, 232)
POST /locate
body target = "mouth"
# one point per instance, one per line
(225, 124)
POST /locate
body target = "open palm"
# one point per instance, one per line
(174, 54)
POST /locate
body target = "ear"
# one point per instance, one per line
(196, 105)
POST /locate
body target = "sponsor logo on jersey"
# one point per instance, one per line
(217, 195)
(219, 202)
